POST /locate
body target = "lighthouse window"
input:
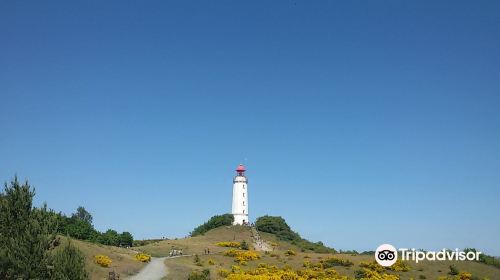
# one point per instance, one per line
(243, 203)
(243, 194)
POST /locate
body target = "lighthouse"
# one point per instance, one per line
(240, 197)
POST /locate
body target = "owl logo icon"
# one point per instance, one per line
(386, 255)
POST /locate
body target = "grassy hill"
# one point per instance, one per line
(180, 268)
(123, 261)
(125, 264)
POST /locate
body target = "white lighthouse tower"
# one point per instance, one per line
(240, 197)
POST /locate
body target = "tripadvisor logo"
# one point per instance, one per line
(387, 255)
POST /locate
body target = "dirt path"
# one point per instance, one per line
(154, 270)
(258, 243)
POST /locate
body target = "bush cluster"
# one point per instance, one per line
(373, 265)
(199, 275)
(460, 276)
(399, 266)
(242, 256)
(79, 226)
(372, 270)
(214, 222)
(279, 227)
(333, 261)
(271, 272)
(366, 273)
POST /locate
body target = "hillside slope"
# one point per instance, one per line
(179, 268)
(123, 260)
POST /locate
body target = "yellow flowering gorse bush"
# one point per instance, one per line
(102, 260)
(461, 276)
(266, 272)
(290, 253)
(400, 266)
(242, 256)
(368, 274)
(143, 257)
(232, 244)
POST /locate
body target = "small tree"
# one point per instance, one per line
(126, 239)
(244, 245)
(69, 264)
(26, 234)
(83, 215)
(79, 229)
(110, 237)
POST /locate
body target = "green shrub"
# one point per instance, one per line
(196, 275)
(214, 222)
(453, 270)
(272, 224)
(333, 261)
(69, 264)
(244, 245)
(79, 226)
(279, 227)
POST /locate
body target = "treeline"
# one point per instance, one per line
(486, 259)
(29, 242)
(79, 226)
(279, 227)
(214, 222)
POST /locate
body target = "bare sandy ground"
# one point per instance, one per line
(154, 270)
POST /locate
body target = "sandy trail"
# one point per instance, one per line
(154, 270)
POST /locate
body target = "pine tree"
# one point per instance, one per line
(26, 234)
(69, 264)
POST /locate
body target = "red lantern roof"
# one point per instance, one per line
(240, 168)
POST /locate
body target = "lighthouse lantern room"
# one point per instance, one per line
(240, 197)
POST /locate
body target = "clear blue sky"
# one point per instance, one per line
(360, 122)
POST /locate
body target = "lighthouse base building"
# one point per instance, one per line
(240, 197)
